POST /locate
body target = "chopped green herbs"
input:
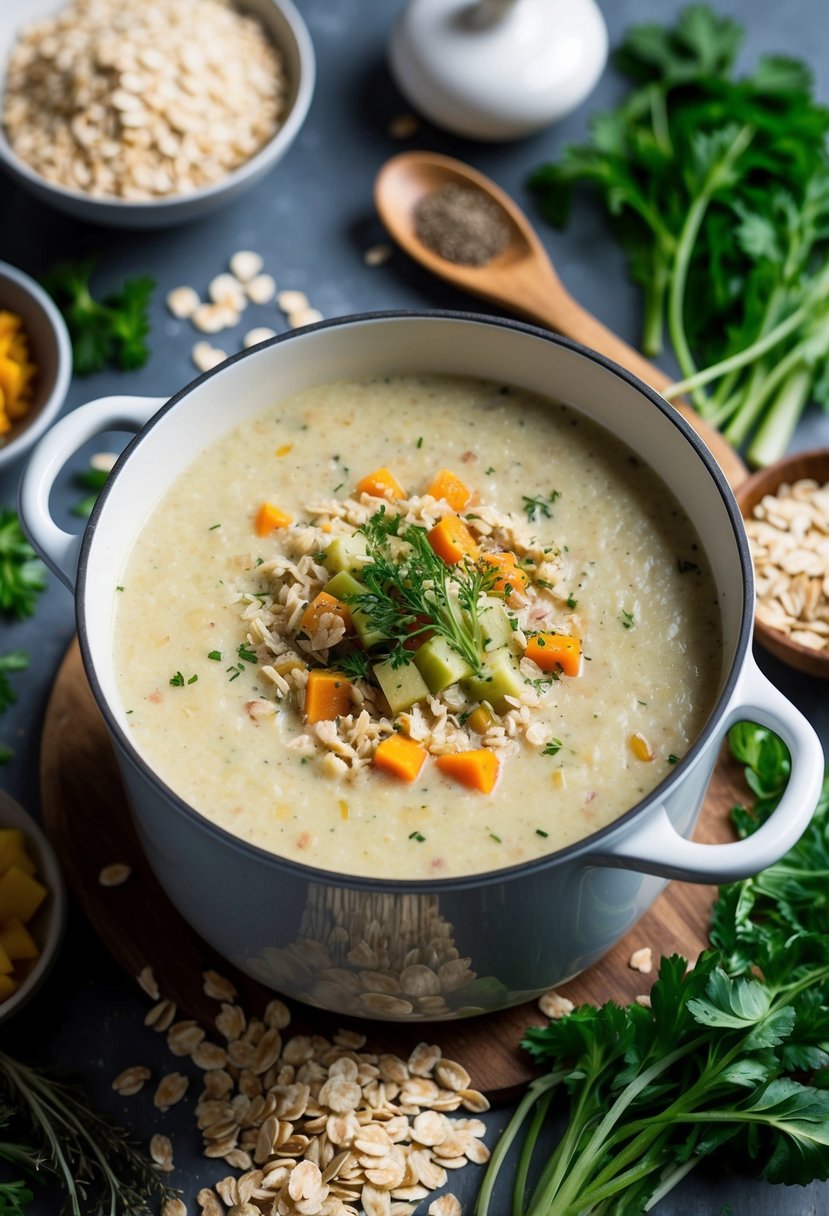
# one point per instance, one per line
(672, 759)
(237, 669)
(15, 660)
(357, 665)
(541, 832)
(489, 471)
(215, 655)
(213, 527)
(538, 505)
(627, 619)
(686, 567)
(420, 442)
(119, 588)
(417, 836)
(246, 654)
(552, 748)
(22, 574)
(177, 680)
(497, 839)
(571, 602)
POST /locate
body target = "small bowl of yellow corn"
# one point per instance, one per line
(32, 907)
(35, 362)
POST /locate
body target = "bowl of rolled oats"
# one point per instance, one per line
(145, 115)
(786, 511)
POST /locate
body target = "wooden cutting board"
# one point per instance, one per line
(87, 818)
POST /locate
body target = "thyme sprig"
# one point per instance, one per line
(100, 1170)
(411, 591)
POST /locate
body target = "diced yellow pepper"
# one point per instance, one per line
(6, 965)
(20, 895)
(17, 941)
(19, 858)
(11, 379)
(8, 987)
(11, 836)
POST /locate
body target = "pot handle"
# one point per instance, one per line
(655, 847)
(60, 550)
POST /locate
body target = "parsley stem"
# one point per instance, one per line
(524, 1161)
(535, 1089)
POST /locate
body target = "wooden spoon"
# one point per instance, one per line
(522, 279)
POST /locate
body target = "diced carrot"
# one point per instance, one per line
(327, 695)
(479, 720)
(452, 540)
(269, 517)
(418, 635)
(321, 604)
(476, 769)
(509, 573)
(451, 489)
(400, 756)
(553, 650)
(381, 484)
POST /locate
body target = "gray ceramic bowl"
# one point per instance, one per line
(49, 922)
(288, 32)
(51, 350)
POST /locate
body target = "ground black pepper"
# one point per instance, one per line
(462, 224)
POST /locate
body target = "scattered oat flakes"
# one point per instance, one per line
(304, 316)
(183, 302)
(445, 1205)
(209, 1203)
(219, 987)
(212, 318)
(131, 1080)
(262, 289)
(292, 301)
(377, 255)
(642, 960)
(103, 461)
(173, 1207)
(644, 1000)
(147, 981)
(184, 1037)
(254, 336)
(553, 1005)
(206, 357)
(114, 875)
(171, 1089)
(161, 1016)
(161, 1151)
(404, 126)
(245, 265)
(226, 289)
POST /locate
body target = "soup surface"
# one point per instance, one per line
(199, 654)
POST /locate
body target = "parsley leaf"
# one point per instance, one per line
(22, 574)
(112, 333)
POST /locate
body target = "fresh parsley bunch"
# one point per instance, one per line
(733, 1052)
(718, 189)
(22, 574)
(112, 332)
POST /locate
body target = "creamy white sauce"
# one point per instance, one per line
(624, 539)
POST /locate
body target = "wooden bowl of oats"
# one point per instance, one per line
(786, 510)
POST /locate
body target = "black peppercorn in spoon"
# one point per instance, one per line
(521, 278)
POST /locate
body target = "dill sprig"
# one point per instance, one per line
(99, 1169)
(411, 591)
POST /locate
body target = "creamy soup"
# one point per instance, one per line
(210, 623)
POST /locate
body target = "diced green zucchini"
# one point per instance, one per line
(347, 553)
(402, 686)
(341, 586)
(440, 665)
(496, 630)
(498, 678)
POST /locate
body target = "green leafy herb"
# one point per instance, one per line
(356, 665)
(215, 655)
(497, 839)
(60, 1134)
(627, 619)
(15, 660)
(22, 574)
(733, 1053)
(552, 748)
(672, 759)
(192, 680)
(541, 832)
(112, 333)
(247, 654)
(177, 680)
(539, 505)
(718, 189)
(572, 602)
(420, 442)
(489, 471)
(417, 836)
(93, 480)
(411, 591)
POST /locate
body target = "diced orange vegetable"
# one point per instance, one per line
(381, 484)
(8, 986)
(6, 965)
(269, 517)
(400, 756)
(17, 941)
(316, 610)
(509, 573)
(17, 371)
(17, 857)
(478, 770)
(452, 540)
(451, 489)
(20, 895)
(551, 651)
(479, 720)
(640, 747)
(11, 379)
(327, 695)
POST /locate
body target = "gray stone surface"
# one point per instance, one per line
(312, 218)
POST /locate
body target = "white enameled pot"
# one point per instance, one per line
(308, 932)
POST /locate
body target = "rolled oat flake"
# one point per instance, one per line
(462, 224)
